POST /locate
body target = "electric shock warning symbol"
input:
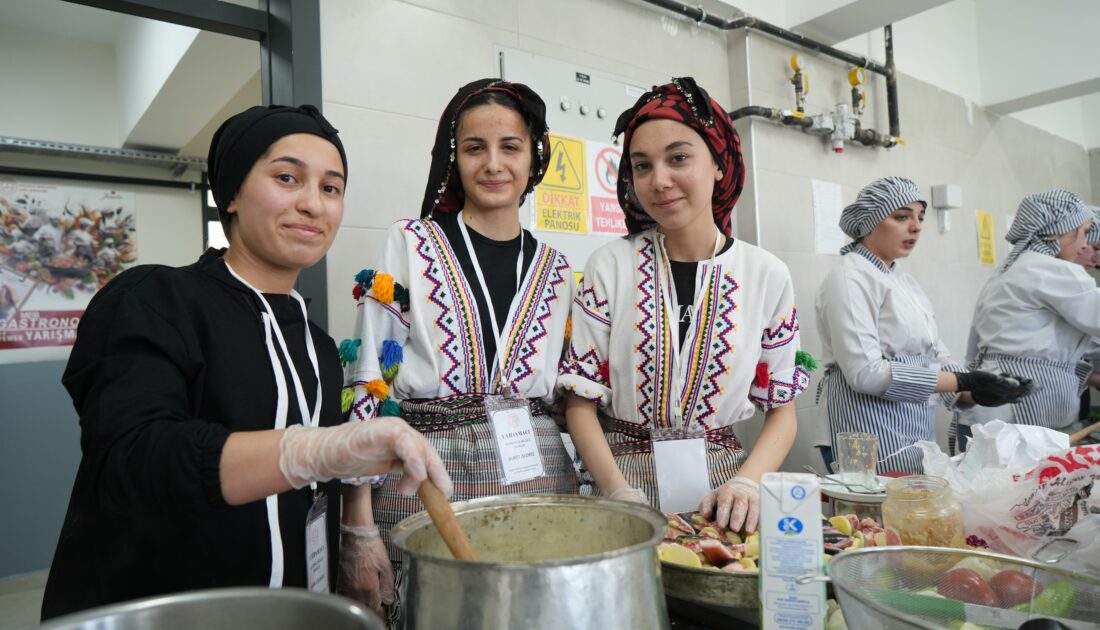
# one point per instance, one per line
(561, 200)
(566, 170)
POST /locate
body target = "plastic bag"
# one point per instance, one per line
(1085, 557)
(1020, 484)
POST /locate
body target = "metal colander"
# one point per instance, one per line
(909, 587)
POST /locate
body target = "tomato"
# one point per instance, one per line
(966, 585)
(1014, 587)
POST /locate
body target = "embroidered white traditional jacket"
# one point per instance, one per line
(439, 331)
(621, 352)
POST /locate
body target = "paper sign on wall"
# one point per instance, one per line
(561, 200)
(987, 249)
(828, 237)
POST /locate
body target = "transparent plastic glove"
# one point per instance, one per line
(626, 493)
(738, 504)
(992, 390)
(365, 571)
(374, 447)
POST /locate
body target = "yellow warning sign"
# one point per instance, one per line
(566, 171)
(561, 200)
(987, 249)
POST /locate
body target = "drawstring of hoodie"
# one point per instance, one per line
(273, 334)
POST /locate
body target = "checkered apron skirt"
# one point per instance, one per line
(632, 446)
(458, 428)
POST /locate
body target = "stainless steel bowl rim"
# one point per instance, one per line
(407, 527)
(848, 555)
(213, 596)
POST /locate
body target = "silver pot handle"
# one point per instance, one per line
(806, 579)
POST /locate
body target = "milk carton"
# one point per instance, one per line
(790, 548)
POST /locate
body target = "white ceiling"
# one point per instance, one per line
(165, 95)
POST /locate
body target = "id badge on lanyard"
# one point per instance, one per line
(680, 460)
(317, 545)
(679, 451)
(517, 446)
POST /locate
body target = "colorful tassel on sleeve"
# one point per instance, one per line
(365, 278)
(383, 288)
(401, 296)
(377, 388)
(805, 360)
(390, 359)
(763, 376)
(349, 351)
(347, 398)
(389, 407)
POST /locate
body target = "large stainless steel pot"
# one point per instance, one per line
(544, 562)
(227, 609)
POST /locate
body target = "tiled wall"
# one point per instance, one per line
(996, 160)
(390, 66)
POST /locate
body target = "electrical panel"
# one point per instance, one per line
(582, 103)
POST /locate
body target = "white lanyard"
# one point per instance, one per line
(498, 333)
(673, 320)
(271, 326)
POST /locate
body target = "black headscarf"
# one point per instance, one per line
(243, 138)
(444, 192)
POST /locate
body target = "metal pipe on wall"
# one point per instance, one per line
(891, 82)
(700, 16)
(887, 70)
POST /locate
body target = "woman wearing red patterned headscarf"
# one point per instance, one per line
(463, 318)
(679, 330)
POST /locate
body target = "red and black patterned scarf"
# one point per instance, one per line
(444, 193)
(685, 102)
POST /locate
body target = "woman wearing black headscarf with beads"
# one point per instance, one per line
(463, 315)
(207, 399)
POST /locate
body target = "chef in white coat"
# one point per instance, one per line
(885, 356)
(1039, 315)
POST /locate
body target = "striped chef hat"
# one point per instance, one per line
(1042, 216)
(875, 202)
(1094, 231)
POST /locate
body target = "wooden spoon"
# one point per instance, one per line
(439, 508)
(1083, 433)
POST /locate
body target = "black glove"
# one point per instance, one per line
(990, 390)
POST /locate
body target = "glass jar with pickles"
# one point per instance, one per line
(924, 511)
